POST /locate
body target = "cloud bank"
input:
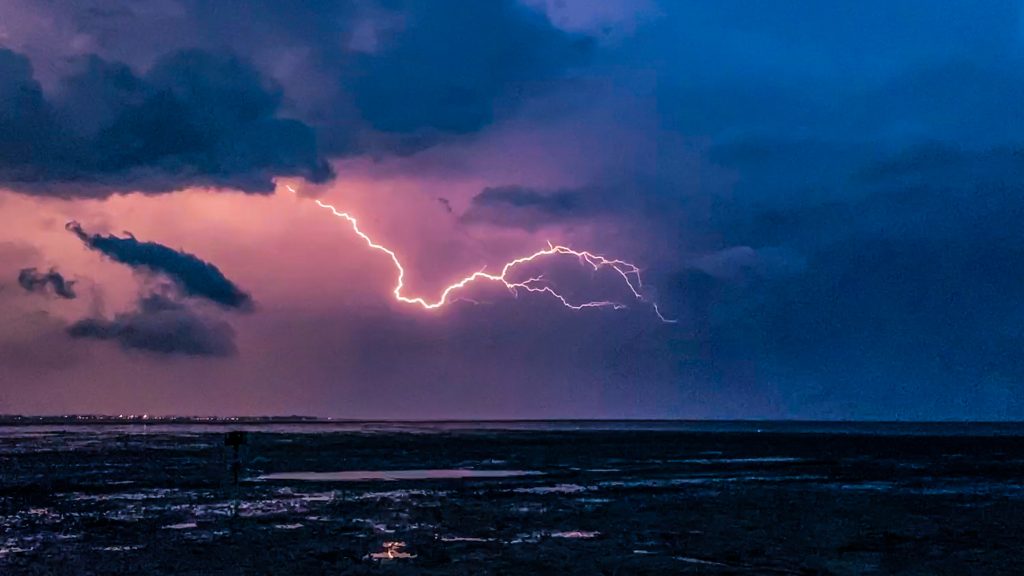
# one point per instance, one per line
(193, 119)
(161, 325)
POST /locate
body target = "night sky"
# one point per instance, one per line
(826, 197)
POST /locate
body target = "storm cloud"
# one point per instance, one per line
(162, 326)
(195, 277)
(454, 65)
(182, 95)
(193, 119)
(527, 208)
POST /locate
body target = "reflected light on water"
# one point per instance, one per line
(392, 475)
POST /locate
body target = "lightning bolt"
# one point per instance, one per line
(629, 272)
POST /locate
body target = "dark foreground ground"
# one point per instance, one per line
(135, 500)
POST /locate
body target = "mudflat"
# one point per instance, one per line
(516, 498)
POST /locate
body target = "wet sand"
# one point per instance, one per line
(530, 500)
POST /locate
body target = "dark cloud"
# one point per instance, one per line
(163, 326)
(195, 277)
(561, 202)
(193, 119)
(452, 66)
(33, 280)
(911, 282)
(520, 207)
(178, 95)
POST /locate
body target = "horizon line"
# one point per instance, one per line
(304, 419)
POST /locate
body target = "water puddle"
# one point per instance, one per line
(400, 494)
(391, 551)
(466, 539)
(121, 548)
(763, 460)
(393, 475)
(379, 527)
(581, 534)
(556, 489)
(689, 560)
(535, 537)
